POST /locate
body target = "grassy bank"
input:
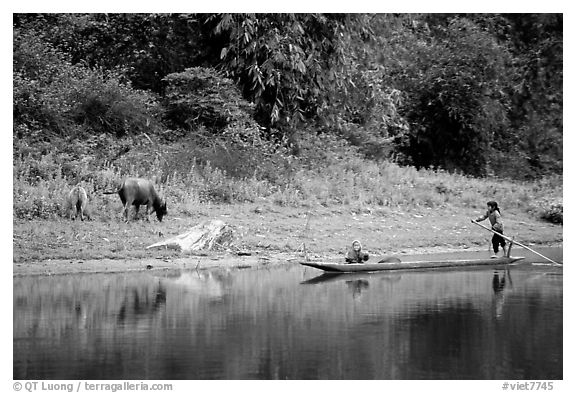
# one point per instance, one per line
(391, 208)
(267, 229)
(433, 219)
(327, 173)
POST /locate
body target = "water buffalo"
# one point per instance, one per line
(134, 191)
(77, 201)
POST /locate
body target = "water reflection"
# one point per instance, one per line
(498, 285)
(356, 287)
(290, 323)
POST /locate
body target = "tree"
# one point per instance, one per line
(457, 91)
(288, 65)
(54, 96)
(538, 89)
(452, 78)
(145, 47)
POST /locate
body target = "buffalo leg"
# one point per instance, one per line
(125, 212)
(80, 209)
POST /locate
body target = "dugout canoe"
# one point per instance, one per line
(334, 267)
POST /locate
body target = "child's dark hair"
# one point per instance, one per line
(494, 204)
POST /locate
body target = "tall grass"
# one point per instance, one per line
(328, 173)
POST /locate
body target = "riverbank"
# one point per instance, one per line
(266, 234)
(215, 261)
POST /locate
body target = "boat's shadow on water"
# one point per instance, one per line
(333, 277)
(395, 275)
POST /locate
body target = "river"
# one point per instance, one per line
(291, 322)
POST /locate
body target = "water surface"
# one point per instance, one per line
(291, 323)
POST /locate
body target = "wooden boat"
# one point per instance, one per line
(335, 267)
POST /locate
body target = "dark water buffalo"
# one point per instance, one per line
(77, 201)
(138, 192)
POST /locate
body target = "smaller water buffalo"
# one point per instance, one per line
(134, 191)
(77, 201)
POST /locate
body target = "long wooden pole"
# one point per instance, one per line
(306, 229)
(515, 242)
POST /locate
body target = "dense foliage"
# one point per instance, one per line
(479, 94)
(454, 104)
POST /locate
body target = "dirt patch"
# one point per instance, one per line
(50, 267)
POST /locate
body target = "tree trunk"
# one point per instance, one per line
(204, 236)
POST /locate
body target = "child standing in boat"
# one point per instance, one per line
(355, 254)
(495, 217)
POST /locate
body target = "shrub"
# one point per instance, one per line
(66, 99)
(553, 213)
(42, 200)
(202, 97)
(452, 86)
(211, 110)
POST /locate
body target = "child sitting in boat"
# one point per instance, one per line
(493, 214)
(355, 254)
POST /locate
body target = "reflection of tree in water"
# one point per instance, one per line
(443, 339)
(356, 287)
